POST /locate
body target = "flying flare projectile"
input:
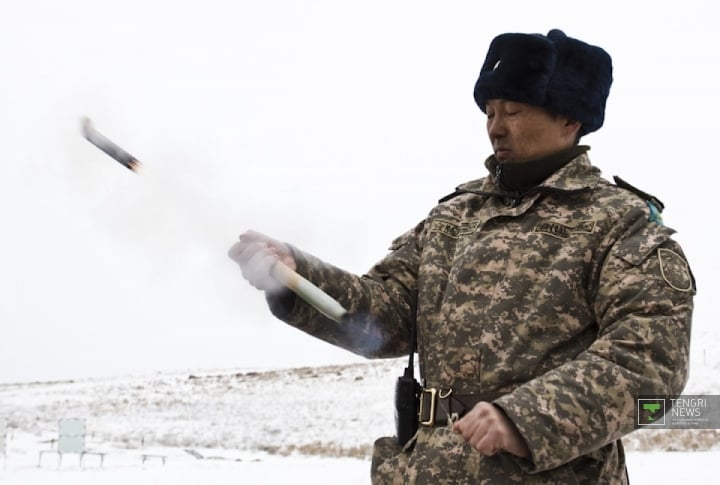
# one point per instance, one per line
(108, 146)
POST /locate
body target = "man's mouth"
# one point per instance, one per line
(502, 153)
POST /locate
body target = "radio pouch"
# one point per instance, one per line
(407, 397)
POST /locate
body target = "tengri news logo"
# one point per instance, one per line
(651, 412)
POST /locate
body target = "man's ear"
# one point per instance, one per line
(572, 127)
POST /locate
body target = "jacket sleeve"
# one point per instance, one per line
(643, 302)
(381, 304)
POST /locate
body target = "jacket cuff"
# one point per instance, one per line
(516, 411)
(281, 302)
(284, 304)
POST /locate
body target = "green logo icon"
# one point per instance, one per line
(652, 407)
(651, 412)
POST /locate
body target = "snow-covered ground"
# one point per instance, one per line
(652, 468)
(303, 425)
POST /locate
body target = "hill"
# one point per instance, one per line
(330, 411)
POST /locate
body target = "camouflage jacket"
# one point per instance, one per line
(569, 300)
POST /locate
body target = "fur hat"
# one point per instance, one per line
(559, 73)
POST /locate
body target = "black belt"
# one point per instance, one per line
(437, 405)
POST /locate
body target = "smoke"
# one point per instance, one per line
(169, 216)
(258, 271)
(364, 334)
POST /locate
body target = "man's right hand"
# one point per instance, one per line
(256, 254)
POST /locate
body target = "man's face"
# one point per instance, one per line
(520, 132)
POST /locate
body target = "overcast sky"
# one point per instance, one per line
(333, 125)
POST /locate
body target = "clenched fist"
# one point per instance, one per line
(488, 430)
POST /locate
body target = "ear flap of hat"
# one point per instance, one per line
(582, 80)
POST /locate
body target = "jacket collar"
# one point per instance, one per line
(523, 176)
(576, 173)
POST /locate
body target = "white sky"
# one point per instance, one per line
(332, 125)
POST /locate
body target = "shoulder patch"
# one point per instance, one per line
(674, 270)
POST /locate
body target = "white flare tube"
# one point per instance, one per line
(313, 295)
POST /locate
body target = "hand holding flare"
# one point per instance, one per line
(269, 265)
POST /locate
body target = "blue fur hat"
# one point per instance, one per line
(559, 73)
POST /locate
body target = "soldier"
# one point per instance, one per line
(545, 298)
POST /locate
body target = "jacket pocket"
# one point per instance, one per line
(389, 460)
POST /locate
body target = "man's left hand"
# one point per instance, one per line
(488, 430)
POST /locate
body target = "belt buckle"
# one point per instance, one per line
(433, 395)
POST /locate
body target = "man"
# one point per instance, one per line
(545, 298)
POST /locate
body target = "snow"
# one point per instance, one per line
(301, 425)
(651, 468)
(122, 467)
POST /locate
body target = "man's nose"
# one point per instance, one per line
(496, 127)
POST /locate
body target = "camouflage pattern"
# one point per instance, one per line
(569, 300)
